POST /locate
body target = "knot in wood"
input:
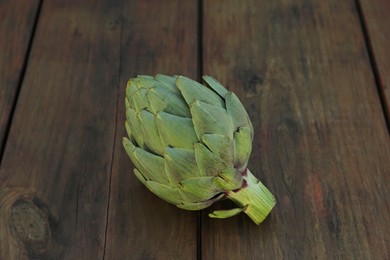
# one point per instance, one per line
(30, 224)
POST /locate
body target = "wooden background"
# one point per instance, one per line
(314, 76)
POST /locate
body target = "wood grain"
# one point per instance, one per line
(321, 144)
(16, 26)
(54, 177)
(376, 16)
(302, 70)
(157, 37)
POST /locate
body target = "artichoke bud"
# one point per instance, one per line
(190, 144)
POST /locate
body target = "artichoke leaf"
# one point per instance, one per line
(134, 126)
(140, 100)
(242, 147)
(151, 135)
(130, 149)
(145, 77)
(176, 131)
(175, 104)
(152, 166)
(139, 176)
(209, 163)
(145, 83)
(165, 192)
(210, 119)
(192, 90)
(180, 164)
(168, 82)
(127, 103)
(128, 131)
(156, 102)
(131, 88)
(237, 113)
(199, 205)
(228, 180)
(221, 145)
(198, 189)
(225, 213)
(215, 85)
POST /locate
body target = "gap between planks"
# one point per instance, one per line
(20, 80)
(373, 63)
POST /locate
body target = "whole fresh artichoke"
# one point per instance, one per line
(190, 144)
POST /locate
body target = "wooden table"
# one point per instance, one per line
(314, 76)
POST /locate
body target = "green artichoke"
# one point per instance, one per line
(190, 144)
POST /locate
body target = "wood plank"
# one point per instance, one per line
(377, 22)
(321, 143)
(54, 177)
(157, 37)
(16, 26)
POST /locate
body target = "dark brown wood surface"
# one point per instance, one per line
(56, 167)
(321, 143)
(376, 18)
(309, 72)
(158, 37)
(16, 24)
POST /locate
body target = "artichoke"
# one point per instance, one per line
(190, 144)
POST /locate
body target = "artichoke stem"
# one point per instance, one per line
(255, 199)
